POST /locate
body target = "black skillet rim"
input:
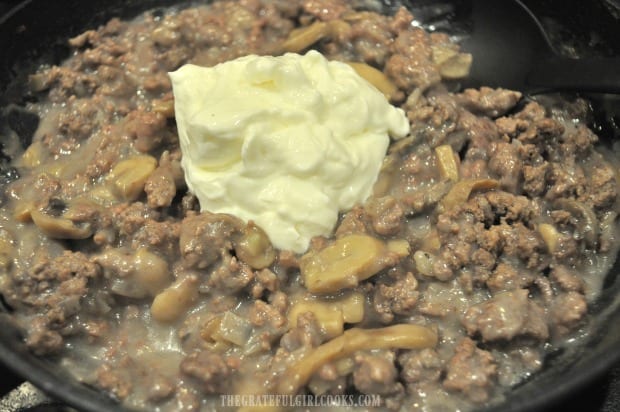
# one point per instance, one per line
(48, 378)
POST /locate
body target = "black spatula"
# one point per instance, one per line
(511, 50)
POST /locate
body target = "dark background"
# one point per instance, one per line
(581, 26)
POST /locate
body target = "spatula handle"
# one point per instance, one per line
(592, 74)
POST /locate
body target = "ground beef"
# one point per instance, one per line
(507, 277)
(535, 179)
(567, 309)
(41, 339)
(160, 187)
(210, 369)
(488, 102)
(354, 221)
(410, 64)
(53, 289)
(147, 128)
(375, 374)
(425, 199)
(158, 236)
(328, 376)
(229, 277)
(498, 287)
(130, 218)
(566, 180)
(425, 365)
(492, 222)
(471, 371)
(511, 126)
(207, 237)
(434, 117)
(505, 316)
(114, 380)
(306, 334)
(386, 215)
(578, 141)
(481, 132)
(325, 9)
(603, 188)
(265, 280)
(566, 279)
(161, 388)
(397, 299)
(365, 34)
(263, 313)
(506, 165)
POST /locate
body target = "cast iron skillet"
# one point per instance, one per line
(35, 31)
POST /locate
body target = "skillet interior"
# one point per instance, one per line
(36, 31)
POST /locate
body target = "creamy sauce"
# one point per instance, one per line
(287, 142)
(116, 343)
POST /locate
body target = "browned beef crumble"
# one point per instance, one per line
(511, 268)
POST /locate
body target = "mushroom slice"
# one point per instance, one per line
(331, 314)
(550, 236)
(448, 162)
(375, 77)
(347, 261)
(254, 247)
(129, 176)
(459, 193)
(174, 301)
(304, 37)
(403, 336)
(456, 67)
(586, 225)
(60, 227)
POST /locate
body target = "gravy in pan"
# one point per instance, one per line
(490, 230)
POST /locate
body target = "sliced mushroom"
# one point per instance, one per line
(60, 227)
(304, 37)
(22, 210)
(135, 274)
(550, 236)
(175, 300)
(331, 314)
(452, 64)
(401, 336)
(222, 330)
(431, 242)
(608, 231)
(129, 176)
(376, 78)
(424, 262)
(459, 193)
(347, 261)
(151, 271)
(328, 316)
(456, 67)
(389, 168)
(254, 247)
(235, 329)
(442, 53)
(586, 223)
(211, 336)
(448, 162)
(33, 156)
(428, 197)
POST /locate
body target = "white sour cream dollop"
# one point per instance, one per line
(287, 141)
